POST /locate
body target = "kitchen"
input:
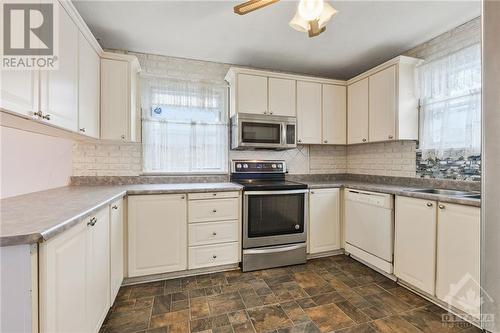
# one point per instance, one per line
(229, 181)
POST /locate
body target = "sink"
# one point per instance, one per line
(455, 193)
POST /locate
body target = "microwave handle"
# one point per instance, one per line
(283, 134)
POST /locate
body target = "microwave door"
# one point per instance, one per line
(261, 134)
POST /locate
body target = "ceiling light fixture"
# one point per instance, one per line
(311, 16)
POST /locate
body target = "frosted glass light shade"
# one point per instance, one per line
(326, 15)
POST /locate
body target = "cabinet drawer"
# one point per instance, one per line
(213, 232)
(213, 255)
(213, 210)
(213, 195)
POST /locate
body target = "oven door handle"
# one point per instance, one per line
(275, 249)
(279, 192)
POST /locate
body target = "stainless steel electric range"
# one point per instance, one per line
(274, 215)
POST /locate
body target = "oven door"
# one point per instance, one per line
(274, 217)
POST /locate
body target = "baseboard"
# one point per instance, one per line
(325, 254)
(165, 276)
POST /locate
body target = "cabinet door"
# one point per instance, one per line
(157, 233)
(415, 242)
(334, 114)
(282, 97)
(115, 99)
(309, 112)
(116, 247)
(458, 257)
(382, 105)
(252, 94)
(19, 91)
(357, 112)
(88, 88)
(98, 288)
(324, 220)
(59, 88)
(63, 288)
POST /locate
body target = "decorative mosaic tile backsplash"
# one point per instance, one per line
(460, 168)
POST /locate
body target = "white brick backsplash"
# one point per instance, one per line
(107, 159)
(383, 159)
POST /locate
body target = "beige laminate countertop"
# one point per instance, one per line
(39, 216)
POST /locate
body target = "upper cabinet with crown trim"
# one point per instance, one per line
(382, 103)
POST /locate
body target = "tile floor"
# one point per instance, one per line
(333, 294)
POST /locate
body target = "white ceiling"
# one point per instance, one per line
(362, 35)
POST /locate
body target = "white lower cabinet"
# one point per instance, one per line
(157, 234)
(415, 242)
(213, 255)
(116, 240)
(437, 250)
(324, 220)
(458, 253)
(74, 277)
(98, 269)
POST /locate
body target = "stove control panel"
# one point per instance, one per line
(258, 167)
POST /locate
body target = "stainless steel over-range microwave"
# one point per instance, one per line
(252, 131)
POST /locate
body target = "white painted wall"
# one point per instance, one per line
(31, 162)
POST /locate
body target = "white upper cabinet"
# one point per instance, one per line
(120, 112)
(19, 91)
(282, 97)
(458, 257)
(251, 94)
(157, 234)
(382, 105)
(324, 220)
(309, 112)
(88, 88)
(59, 88)
(357, 112)
(334, 114)
(415, 242)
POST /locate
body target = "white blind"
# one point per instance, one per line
(184, 126)
(450, 99)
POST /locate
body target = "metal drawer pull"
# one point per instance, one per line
(214, 211)
(114, 207)
(92, 222)
(441, 207)
(214, 194)
(214, 233)
(429, 204)
(82, 129)
(214, 256)
(46, 117)
(364, 140)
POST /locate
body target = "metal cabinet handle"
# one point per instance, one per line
(429, 204)
(312, 192)
(214, 211)
(391, 137)
(123, 137)
(441, 207)
(214, 256)
(265, 112)
(82, 129)
(114, 207)
(364, 140)
(46, 117)
(214, 233)
(270, 112)
(92, 222)
(38, 114)
(326, 141)
(182, 197)
(214, 194)
(299, 140)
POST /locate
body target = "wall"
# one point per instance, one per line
(389, 159)
(32, 162)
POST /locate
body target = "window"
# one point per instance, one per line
(184, 126)
(450, 100)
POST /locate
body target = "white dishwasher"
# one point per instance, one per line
(370, 228)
